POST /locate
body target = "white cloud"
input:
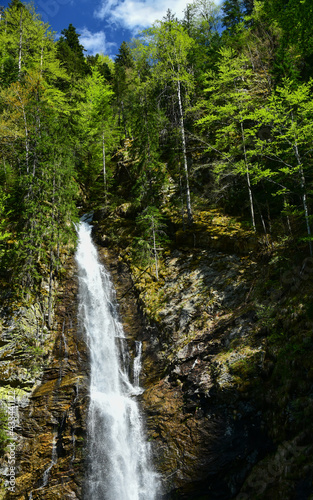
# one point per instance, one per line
(105, 8)
(95, 43)
(139, 14)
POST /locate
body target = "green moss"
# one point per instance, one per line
(244, 368)
(4, 438)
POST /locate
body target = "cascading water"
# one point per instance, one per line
(137, 364)
(118, 452)
(54, 460)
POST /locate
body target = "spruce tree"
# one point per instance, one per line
(232, 14)
(121, 82)
(35, 150)
(147, 120)
(71, 53)
(170, 46)
(98, 133)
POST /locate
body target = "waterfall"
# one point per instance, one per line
(137, 363)
(54, 459)
(119, 466)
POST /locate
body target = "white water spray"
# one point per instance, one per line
(137, 364)
(54, 460)
(118, 452)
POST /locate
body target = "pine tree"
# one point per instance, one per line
(98, 134)
(71, 53)
(121, 81)
(147, 121)
(202, 23)
(170, 47)
(35, 149)
(248, 7)
(151, 225)
(289, 115)
(21, 33)
(233, 91)
(232, 14)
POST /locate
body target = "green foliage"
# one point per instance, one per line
(124, 58)
(150, 224)
(97, 130)
(122, 84)
(202, 23)
(37, 165)
(104, 65)
(185, 113)
(232, 14)
(4, 213)
(288, 115)
(233, 91)
(71, 53)
(3, 429)
(147, 120)
(296, 20)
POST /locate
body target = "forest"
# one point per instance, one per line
(212, 111)
(193, 151)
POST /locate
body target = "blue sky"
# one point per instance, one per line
(104, 24)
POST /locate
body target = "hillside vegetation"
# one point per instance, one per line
(193, 148)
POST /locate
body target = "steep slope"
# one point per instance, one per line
(227, 356)
(227, 371)
(50, 383)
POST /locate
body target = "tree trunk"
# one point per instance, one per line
(155, 251)
(26, 134)
(182, 200)
(248, 177)
(41, 60)
(20, 47)
(182, 131)
(104, 167)
(50, 290)
(53, 220)
(287, 216)
(304, 196)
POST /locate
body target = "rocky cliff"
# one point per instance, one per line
(228, 349)
(227, 372)
(46, 371)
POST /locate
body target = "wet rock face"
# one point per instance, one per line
(210, 403)
(53, 402)
(207, 435)
(204, 417)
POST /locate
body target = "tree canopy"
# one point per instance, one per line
(211, 110)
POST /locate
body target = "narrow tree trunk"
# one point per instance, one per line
(50, 290)
(53, 219)
(182, 131)
(287, 216)
(264, 229)
(248, 176)
(304, 196)
(146, 125)
(123, 119)
(269, 217)
(155, 251)
(263, 224)
(26, 137)
(41, 61)
(20, 47)
(104, 167)
(182, 200)
(37, 132)
(246, 164)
